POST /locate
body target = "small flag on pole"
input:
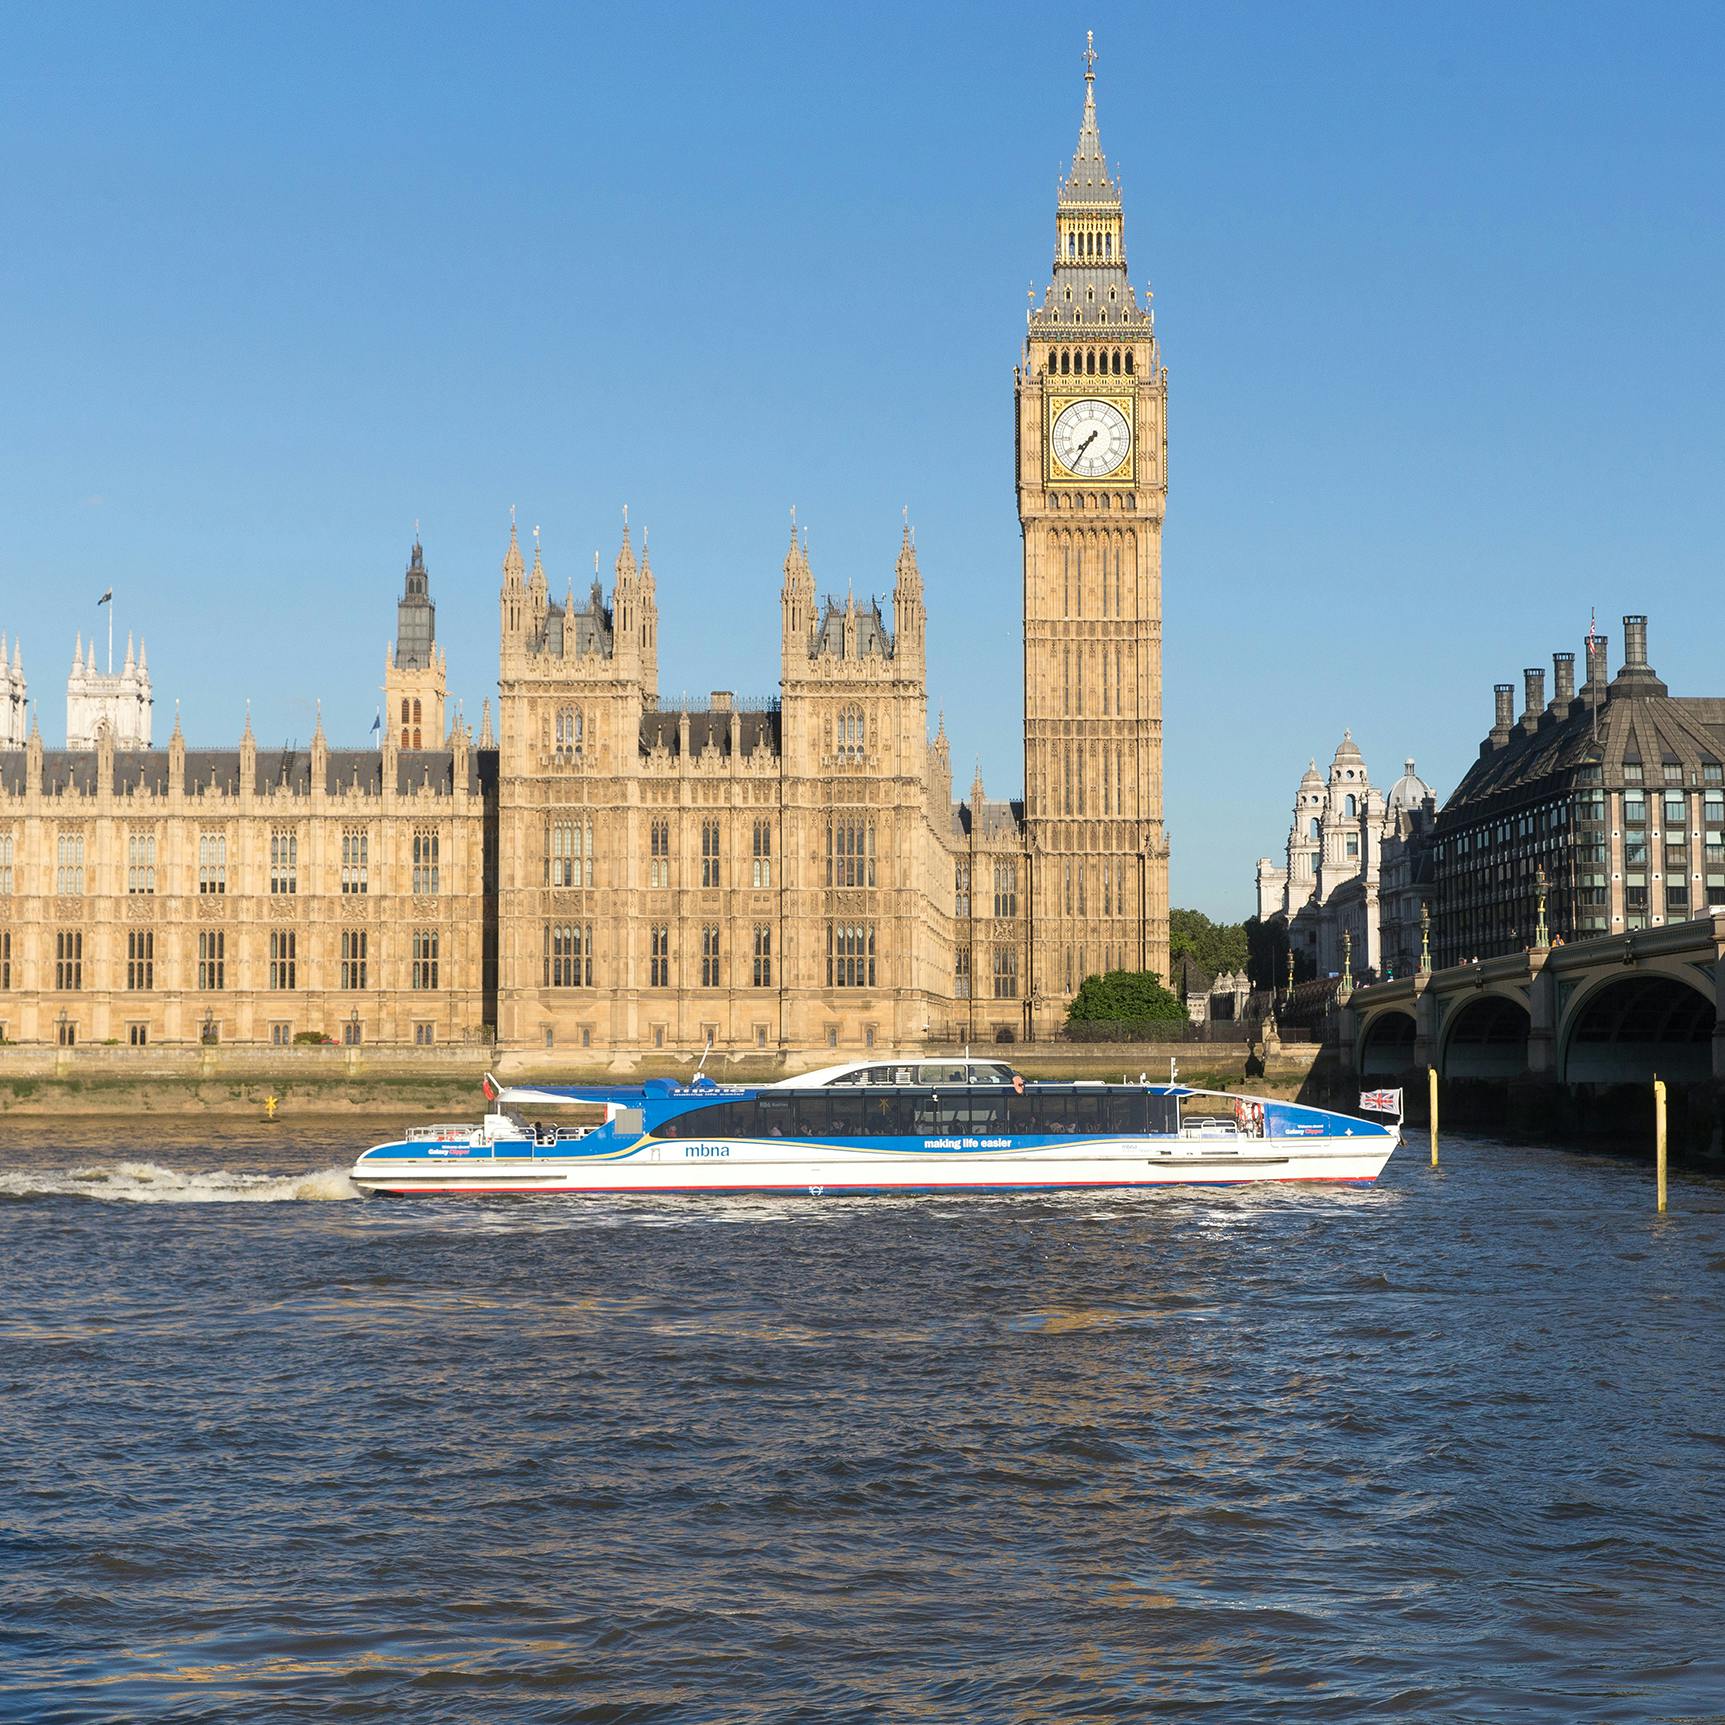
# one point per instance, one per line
(1381, 1101)
(106, 597)
(377, 722)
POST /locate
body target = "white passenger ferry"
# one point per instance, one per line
(877, 1126)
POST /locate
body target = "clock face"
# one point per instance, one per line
(1091, 438)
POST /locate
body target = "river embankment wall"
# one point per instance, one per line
(422, 1083)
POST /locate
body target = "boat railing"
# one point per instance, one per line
(434, 1134)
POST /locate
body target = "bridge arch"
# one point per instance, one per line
(1486, 1037)
(1633, 1027)
(1387, 1044)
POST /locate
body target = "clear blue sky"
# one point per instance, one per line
(1439, 289)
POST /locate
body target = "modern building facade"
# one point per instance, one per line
(1608, 802)
(609, 871)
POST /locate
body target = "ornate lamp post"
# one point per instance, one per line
(1290, 967)
(1347, 985)
(1542, 936)
(1425, 940)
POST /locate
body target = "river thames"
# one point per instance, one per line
(1452, 1447)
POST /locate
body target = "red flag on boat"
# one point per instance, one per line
(488, 1085)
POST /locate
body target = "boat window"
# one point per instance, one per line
(772, 1117)
(887, 1116)
(1086, 1111)
(844, 1115)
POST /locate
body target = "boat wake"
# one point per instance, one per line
(150, 1183)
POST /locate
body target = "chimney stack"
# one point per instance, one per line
(1597, 676)
(1563, 675)
(1635, 643)
(1505, 693)
(1533, 691)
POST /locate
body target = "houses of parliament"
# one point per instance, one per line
(602, 870)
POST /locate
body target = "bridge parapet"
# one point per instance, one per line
(1561, 990)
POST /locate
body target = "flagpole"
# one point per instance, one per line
(110, 637)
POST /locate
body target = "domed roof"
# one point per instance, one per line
(1409, 791)
(1310, 778)
(1347, 749)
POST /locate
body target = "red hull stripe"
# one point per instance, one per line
(828, 1190)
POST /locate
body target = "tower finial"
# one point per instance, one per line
(1089, 56)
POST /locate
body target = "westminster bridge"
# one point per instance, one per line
(1572, 1035)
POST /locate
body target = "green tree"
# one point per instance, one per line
(1132, 997)
(1212, 946)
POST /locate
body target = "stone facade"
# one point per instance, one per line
(1354, 880)
(122, 700)
(14, 698)
(1092, 398)
(613, 872)
(245, 895)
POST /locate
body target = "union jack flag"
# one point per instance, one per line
(1381, 1101)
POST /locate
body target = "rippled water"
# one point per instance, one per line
(1448, 1448)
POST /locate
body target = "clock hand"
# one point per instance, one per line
(1085, 445)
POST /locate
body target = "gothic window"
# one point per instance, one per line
(5, 958)
(1116, 365)
(850, 852)
(1090, 361)
(212, 862)
(283, 966)
(1006, 973)
(569, 853)
(355, 852)
(850, 955)
(1128, 362)
(425, 867)
(849, 734)
(1072, 247)
(571, 728)
(961, 889)
(1065, 362)
(659, 963)
(8, 849)
(424, 972)
(763, 955)
(709, 853)
(353, 958)
(212, 960)
(569, 955)
(1108, 254)
(763, 854)
(406, 710)
(68, 960)
(140, 959)
(710, 956)
(1005, 887)
(140, 863)
(284, 861)
(69, 863)
(418, 716)
(659, 853)
(961, 973)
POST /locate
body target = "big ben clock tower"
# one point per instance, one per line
(1092, 483)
